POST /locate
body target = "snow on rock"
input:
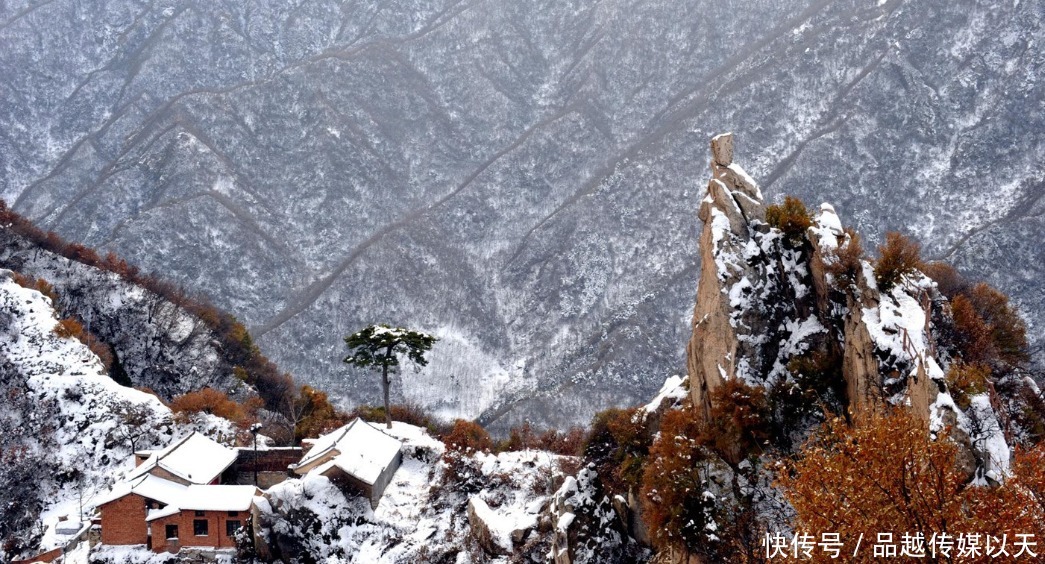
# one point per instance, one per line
(430, 510)
(159, 344)
(78, 427)
(674, 389)
(988, 437)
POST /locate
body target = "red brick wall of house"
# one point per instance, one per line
(216, 536)
(49, 556)
(123, 521)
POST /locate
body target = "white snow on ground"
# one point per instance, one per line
(420, 515)
(78, 424)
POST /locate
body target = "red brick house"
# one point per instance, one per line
(124, 510)
(165, 489)
(204, 516)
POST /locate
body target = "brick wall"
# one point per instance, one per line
(215, 537)
(123, 521)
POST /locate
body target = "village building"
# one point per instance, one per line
(357, 457)
(195, 459)
(125, 509)
(204, 516)
(172, 498)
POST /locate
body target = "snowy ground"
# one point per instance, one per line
(423, 514)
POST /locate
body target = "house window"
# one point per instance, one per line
(172, 531)
(233, 513)
(231, 527)
(199, 527)
(200, 514)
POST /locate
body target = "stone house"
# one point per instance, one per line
(358, 457)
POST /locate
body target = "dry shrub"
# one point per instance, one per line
(849, 256)
(409, 413)
(1007, 330)
(898, 257)
(467, 437)
(678, 511)
(618, 445)
(966, 380)
(209, 400)
(791, 217)
(314, 414)
(68, 328)
(38, 284)
(947, 279)
(887, 475)
(740, 421)
(524, 437)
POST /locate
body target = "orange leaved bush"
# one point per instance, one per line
(467, 437)
(898, 257)
(887, 475)
(209, 400)
(791, 217)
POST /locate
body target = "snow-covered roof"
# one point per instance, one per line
(195, 459)
(358, 448)
(208, 498)
(149, 486)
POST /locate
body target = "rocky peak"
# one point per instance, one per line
(766, 298)
(738, 273)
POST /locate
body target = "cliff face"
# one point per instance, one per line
(158, 343)
(773, 304)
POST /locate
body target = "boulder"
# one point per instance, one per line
(483, 531)
(722, 149)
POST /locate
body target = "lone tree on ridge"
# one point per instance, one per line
(379, 347)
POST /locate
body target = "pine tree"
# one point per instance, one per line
(379, 346)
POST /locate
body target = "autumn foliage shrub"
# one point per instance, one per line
(411, 414)
(740, 421)
(848, 259)
(209, 400)
(791, 217)
(679, 511)
(1006, 329)
(948, 280)
(618, 444)
(524, 437)
(467, 437)
(887, 475)
(70, 328)
(314, 415)
(965, 381)
(38, 284)
(897, 257)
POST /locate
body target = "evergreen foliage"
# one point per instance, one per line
(378, 347)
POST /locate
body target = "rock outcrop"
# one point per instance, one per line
(770, 302)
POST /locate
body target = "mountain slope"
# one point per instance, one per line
(513, 176)
(76, 427)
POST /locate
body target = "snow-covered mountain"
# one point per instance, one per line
(518, 177)
(69, 429)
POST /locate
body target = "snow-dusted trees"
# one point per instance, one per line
(379, 347)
